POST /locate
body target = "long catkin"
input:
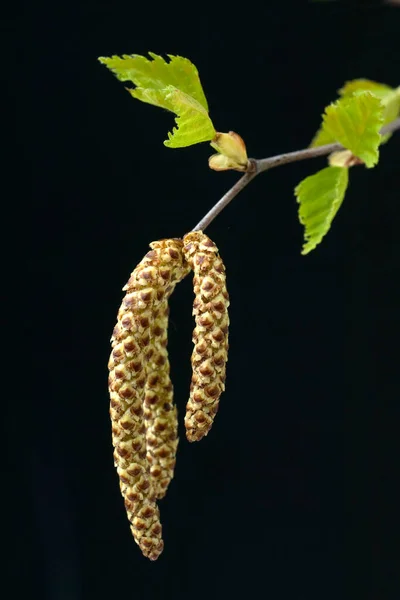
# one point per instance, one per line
(160, 413)
(210, 336)
(130, 366)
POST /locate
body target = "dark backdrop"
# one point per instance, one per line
(292, 494)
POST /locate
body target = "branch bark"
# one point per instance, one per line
(257, 166)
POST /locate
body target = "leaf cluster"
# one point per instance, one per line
(354, 121)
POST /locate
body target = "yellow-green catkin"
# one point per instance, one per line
(160, 413)
(210, 336)
(131, 370)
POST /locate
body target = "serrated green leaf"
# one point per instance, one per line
(193, 123)
(354, 122)
(173, 85)
(158, 74)
(320, 197)
(390, 98)
(364, 85)
(391, 102)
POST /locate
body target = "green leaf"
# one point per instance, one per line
(173, 85)
(364, 85)
(320, 197)
(390, 98)
(322, 138)
(193, 122)
(391, 102)
(354, 122)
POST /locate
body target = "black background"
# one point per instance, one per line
(292, 494)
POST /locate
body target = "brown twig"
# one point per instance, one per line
(257, 166)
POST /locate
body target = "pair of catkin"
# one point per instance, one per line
(143, 416)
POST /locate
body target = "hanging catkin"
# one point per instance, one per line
(130, 383)
(210, 336)
(160, 413)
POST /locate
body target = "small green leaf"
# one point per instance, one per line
(157, 73)
(320, 197)
(390, 98)
(354, 122)
(364, 85)
(173, 85)
(193, 123)
(391, 102)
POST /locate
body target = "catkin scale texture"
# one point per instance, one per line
(210, 336)
(140, 426)
(161, 418)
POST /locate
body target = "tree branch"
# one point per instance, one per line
(257, 166)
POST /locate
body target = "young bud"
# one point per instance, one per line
(344, 158)
(231, 152)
